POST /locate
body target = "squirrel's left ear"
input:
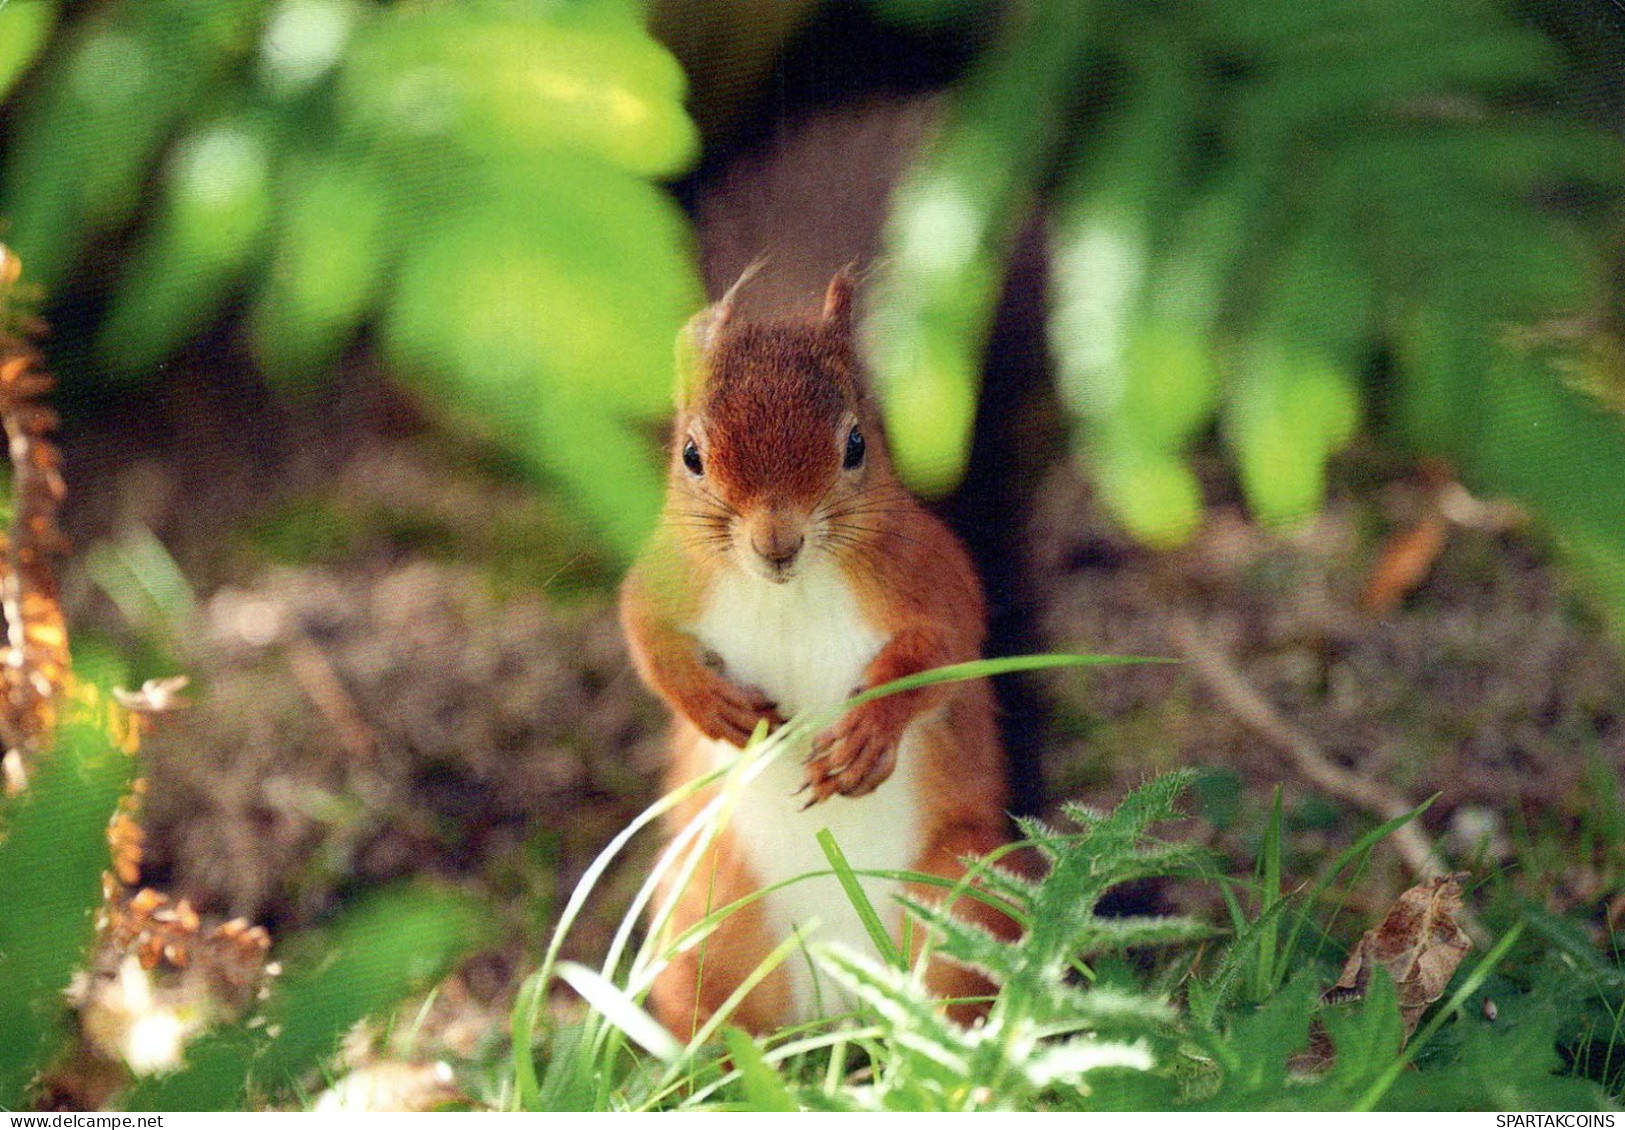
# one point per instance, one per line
(838, 301)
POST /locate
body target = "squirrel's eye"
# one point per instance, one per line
(691, 458)
(854, 449)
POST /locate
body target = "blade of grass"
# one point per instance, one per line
(1357, 850)
(987, 668)
(1269, 932)
(860, 901)
(1573, 942)
(1226, 980)
(709, 1029)
(620, 1010)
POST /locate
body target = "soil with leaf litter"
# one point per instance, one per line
(404, 664)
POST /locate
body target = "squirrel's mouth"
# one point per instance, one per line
(776, 571)
(776, 568)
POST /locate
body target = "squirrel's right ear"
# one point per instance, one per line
(693, 345)
(699, 335)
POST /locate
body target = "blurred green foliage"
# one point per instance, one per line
(1284, 222)
(53, 852)
(1287, 220)
(389, 945)
(472, 178)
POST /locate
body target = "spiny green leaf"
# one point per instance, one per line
(914, 1021)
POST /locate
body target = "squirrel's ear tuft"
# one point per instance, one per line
(838, 301)
(699, 334)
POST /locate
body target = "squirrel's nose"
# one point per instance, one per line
(778, 549)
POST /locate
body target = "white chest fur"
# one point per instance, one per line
(805, 644)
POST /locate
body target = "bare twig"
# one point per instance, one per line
(321, 683)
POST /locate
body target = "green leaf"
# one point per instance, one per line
(499, 79)
(1156, 497)
(24, 28)
(215, 213)
(1289, 410)
(1254, 1057)
(1367, 1036)
(53, 851)
(547, 317)
(338, 231)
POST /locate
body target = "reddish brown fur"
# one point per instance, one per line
(767, 408)
(776, 393)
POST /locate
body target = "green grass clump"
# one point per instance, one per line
(1093, 1011)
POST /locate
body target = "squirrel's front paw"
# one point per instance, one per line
(856, 755)
(726, 711)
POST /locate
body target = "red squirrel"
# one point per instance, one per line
(790, 570)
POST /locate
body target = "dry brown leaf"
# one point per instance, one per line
(1419, 943)
(1405, 561)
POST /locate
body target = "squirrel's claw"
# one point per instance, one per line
(856, 755)
(725, 711)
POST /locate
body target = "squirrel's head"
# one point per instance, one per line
(777, 454)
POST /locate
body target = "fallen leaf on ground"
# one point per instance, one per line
(1419, 943)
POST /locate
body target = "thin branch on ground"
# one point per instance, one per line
(1226, 683)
